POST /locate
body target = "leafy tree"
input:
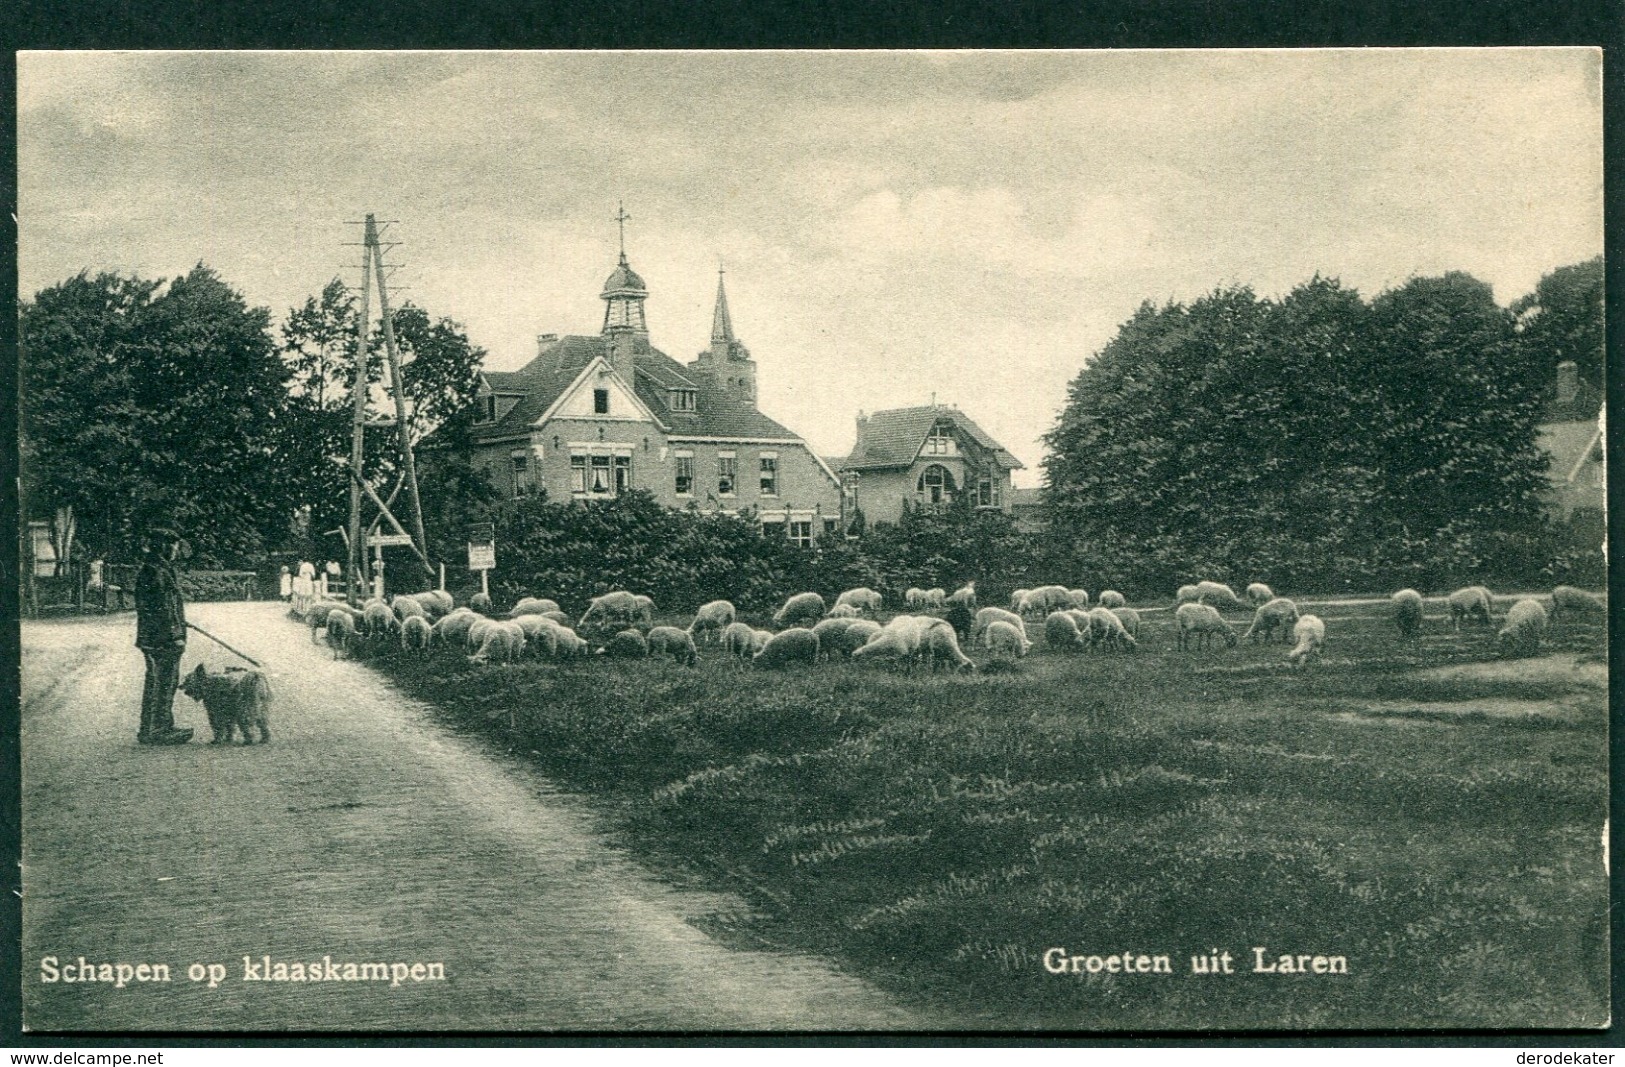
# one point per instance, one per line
(144, 404)
(1563, 319)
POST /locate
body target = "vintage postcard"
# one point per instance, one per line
(813, 541)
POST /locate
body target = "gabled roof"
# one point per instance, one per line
(543, 380)
(894, 438)
(1569, 444)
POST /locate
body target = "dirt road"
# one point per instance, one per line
(362, 834)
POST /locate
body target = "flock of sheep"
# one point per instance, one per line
(621, 625)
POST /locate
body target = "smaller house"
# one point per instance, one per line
(928, 456)
(1571, 434)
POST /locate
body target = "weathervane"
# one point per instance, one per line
(622, 217)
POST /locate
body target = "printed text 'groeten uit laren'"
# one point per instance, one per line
(1062, 961)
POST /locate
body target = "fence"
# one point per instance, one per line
(78, 587)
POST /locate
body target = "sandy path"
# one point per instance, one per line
(363, 833)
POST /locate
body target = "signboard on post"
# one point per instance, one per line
(383, 540)
(482, 548)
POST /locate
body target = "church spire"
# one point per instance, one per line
(722, 326)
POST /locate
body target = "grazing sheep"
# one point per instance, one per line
(1062, 634)
(914, 597)
(628, 644)
(454, 627)
(379, 620)
(541, 635)
(1524, 629)
(341, 633)
(502, 642)
(936, 598)
(1474, 600)
(1130, 620)
(857, 634)
(1188, 594)
(670, 641)
(898, 639)
(939, 644)
(407, 607)
(844, 611)
(1045, 599)
(990, 615)
(437, 602)
(712, 619)
(617, 606)
(1567, 600)
(862, 598)
(531, 605)
(570, 643)
(416, 632)
(646, 609)
(803, 608)
(1018, 598)
(1111, 598)
(1106, 629)
(964, 596)
(1218, 595)
(1258, 593)
(759, 640)
(474, 636)
(1278, 613)
(1311, 635)
(1078, 598)
(795, 645)
(829, 631)
(737, 640)
(323, 611)
(1005, 640)
(1201, 622)
(557, 616)
(1407, 612)
(480, 602)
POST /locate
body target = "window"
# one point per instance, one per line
(829, 526)
(941, 442)
(936, 485)
(770, 475)
(600, 401)
(727, 471)
(600, 475)
(987, 493)
(801, 534)
(682, 399)
(578, 475)
(521, 473)
(685, 474)
(488, 408)
(773, 531)
(623, 474)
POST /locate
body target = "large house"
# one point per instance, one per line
(591, 417)
(927, 456)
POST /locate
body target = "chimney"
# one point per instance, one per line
(619, 350)
(543, 340)
(1568, 381)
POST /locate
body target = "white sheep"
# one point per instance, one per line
(803, 608)
(670, 641)
(1045, 599)
(1018, 598)
(914, 597)
(936, 598)
(570, 643)
(1062, 633)
(857, 634)
(323, 611)
(1407, 612)
(737, 638)
(1130, 620)
(474, 636)
(1525, 627)
(862, 599)
(1201, 622)
(1259, 593)
(795, 645)
(502, 642)
(991, 615)
(645, 608)
(1218, 595)
(845, 611)
(1474, 600)
(1078, 598)
(541, 635)
(1279, 613)
(1567, 600)
(1005, 640)
(453, 628)
(628, 644)
(1106, 629)
(939, 644)
(341, 633)
(437, 602)
(379, 620)
(898, 639)
(407, 607)
(712, 619)
(964, 596)
(618, 606)
(415, 632)
(1111, 598)
(1311, 636)
(532, 605)
(759, 640)
(829, 630)
(480, 602)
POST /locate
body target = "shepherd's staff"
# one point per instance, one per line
(222, 644)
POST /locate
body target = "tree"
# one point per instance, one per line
(145, 404)
(1563, 319)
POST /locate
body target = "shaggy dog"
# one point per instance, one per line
(236, 699)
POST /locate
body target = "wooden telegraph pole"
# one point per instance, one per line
(372, 266)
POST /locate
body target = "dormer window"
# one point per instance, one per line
(683, 399)
(488, 408)
(941, 441)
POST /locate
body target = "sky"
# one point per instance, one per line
(897, 227)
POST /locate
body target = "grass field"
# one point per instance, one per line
(1428, 811)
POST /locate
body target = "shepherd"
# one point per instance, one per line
(160, 634)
